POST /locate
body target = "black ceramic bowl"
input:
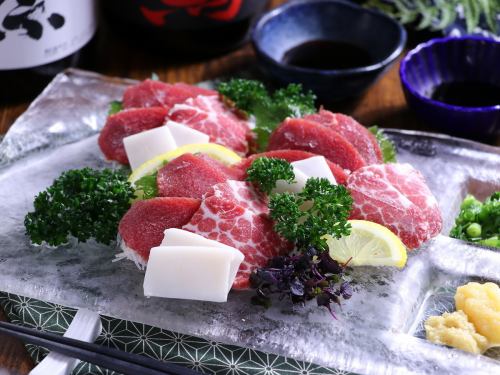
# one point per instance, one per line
(444, 60)
(295, 23)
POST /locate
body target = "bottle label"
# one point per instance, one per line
(38, 32)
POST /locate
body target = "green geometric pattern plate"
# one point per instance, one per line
(208, 357)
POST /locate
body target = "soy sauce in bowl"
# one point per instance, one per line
(467, 94)
(323, 45)
(326, 54)
(453, 84)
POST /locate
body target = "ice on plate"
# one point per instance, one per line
(378, 330)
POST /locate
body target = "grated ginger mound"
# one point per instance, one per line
(454, 329)
(481, 304)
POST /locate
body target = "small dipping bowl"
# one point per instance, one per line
(446, 60)
(299, 22)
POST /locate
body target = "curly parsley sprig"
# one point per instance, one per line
(83, 203)
(265, 172)
(304, 218)
(320, 209)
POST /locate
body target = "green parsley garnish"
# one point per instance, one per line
(83, 203)
(386, 145)
(479, 222)
(269, 110)
(114, 107)
(320, 209)
(264, 172)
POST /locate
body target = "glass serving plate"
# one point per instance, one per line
(378, 331)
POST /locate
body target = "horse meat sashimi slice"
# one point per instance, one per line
(141, 228)
(396, 196)
(235, 214)
(305, 135)
(150, 93)
(364, 141)
(192, 175)
(209, 115)
(291, 156)
(125, 123)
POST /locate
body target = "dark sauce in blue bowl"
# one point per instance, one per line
(467, 94)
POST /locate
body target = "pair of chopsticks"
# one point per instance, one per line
(112, 359)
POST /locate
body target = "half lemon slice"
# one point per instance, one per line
(369, 244)
(215, 151)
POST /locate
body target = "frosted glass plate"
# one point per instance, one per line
(378, 331)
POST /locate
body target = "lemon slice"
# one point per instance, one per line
(215, 151)
(369, 244)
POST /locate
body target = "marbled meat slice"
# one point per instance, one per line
(235, 214)
(291, 156)
(141, 228)
(125, 123)
(150, 93)
(396, 196)
(305, 135)
(192, 175)
(364, 141)
(209, 115)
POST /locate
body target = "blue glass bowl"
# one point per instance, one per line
(442, 60)
(298, 22)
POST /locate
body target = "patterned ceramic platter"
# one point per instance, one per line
(378, 331)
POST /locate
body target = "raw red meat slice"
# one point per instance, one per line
(291, 156)
(209, 115)
(235, 214)
(396, 196)
(125, 123)
(141, 228)
(305, 135)
(150, 93)
(364, 141)
(192, 175)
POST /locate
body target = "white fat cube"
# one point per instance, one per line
(189, 266)
(294, 187)
(315, 167)
(184, 135)
(181, 237)
(146, 145)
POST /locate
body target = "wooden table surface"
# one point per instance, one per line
(383, 104)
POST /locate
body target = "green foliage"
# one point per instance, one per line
(245, 93)
(320, 209)
(479, 222)
(386, 145)
(264, 172)
(146, 187)
(269, 110)
(83, 203)
(294, 100)
(114, 107)
(439, 14)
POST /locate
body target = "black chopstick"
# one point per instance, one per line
(110, 358)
